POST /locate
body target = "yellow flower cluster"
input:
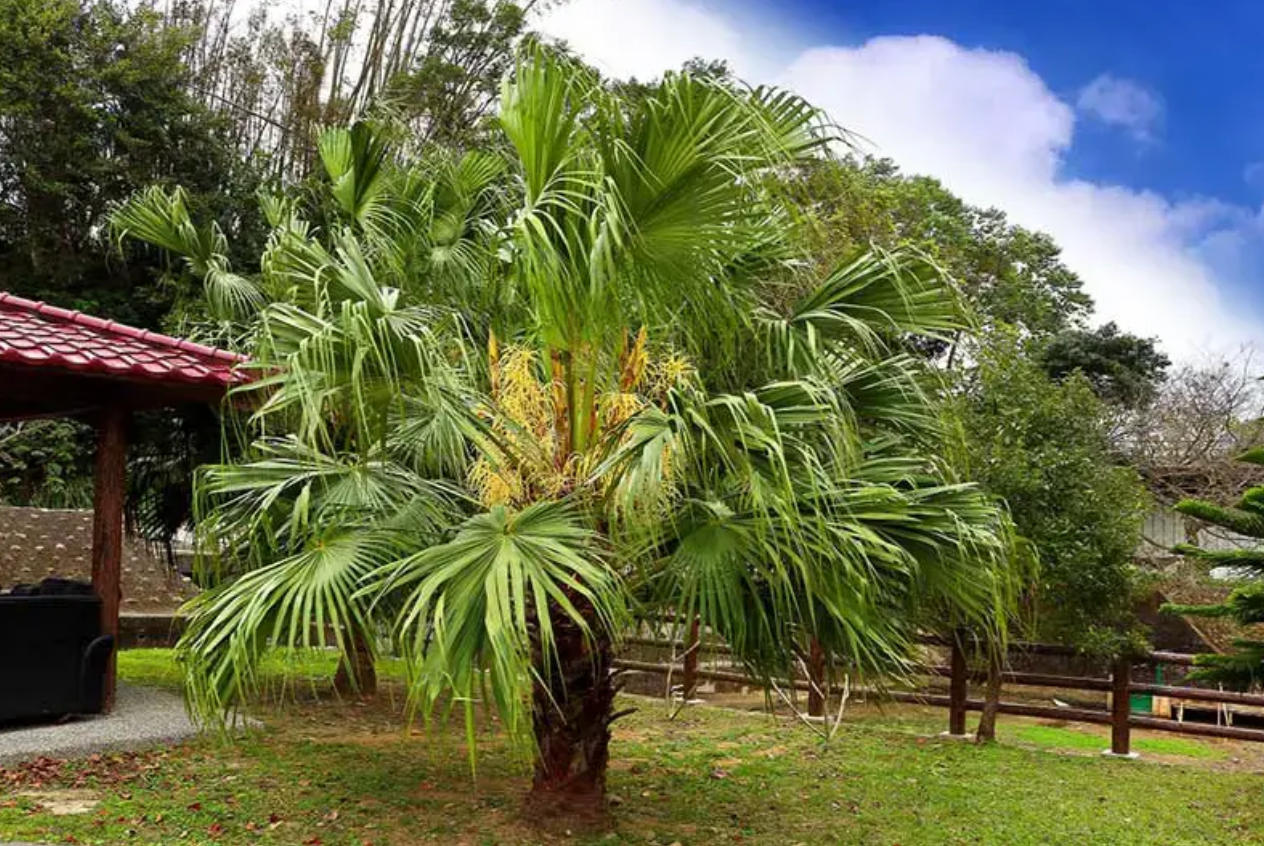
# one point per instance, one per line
(528, 416)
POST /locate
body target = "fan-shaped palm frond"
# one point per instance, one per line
(161, 217)
(490, 598)
(301, 601)
(863, 305)
(354, 160)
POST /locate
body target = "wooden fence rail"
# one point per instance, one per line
(1119, 684)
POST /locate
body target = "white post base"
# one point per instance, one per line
(1131, 756)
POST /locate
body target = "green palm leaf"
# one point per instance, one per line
(473, 609)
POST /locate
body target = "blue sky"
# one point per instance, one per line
(1203, 66)
(1126, 130)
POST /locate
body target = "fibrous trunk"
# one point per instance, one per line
(986, 731)
(817, 683)
(572, 708)
(357, 675)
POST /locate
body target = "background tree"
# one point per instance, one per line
(1124, 370)
(1045, 448)
(1203, 415)
(1185, 441)
(1009, 275)
(120, 118)
(278, 78)
(44, 463)
(95, 103)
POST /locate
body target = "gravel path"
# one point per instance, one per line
(142, 717)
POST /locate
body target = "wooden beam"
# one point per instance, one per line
(1201, 694)
(107, 528)
(32, 393)
(1035, 679)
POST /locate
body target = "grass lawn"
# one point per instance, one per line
(330, 772)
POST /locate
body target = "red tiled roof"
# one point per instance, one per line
(40, 335)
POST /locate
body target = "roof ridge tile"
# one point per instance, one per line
(96, 345)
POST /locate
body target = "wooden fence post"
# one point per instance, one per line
(691, 661)
(1120, 708)
(957, 689)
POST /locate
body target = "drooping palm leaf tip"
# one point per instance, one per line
(1244, 667)
(495, 465)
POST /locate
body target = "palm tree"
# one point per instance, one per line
(511, 402)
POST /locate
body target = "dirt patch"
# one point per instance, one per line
(61, 803)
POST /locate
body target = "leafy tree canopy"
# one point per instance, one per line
(1044, 447)
(120, 116)
(96, 102)
(1123, 369)
(1008, 274)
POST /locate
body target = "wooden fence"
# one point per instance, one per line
(1118, 684)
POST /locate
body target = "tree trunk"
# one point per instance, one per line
(690, 683)
(986, 732)
(357, 675)
(572, 708)
(816, 680)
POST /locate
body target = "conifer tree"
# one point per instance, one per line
(1244, 667)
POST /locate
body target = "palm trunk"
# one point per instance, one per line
(986, 732)
(357, 675)
(816, 680)
(572, 708)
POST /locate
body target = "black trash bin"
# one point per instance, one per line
(53, 656)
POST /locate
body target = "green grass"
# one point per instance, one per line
(334, 772)
(158, 667)
(1095, 740)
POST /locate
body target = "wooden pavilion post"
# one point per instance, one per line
(107, 529)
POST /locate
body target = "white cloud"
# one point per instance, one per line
(644, 38)
(1253, 174)
(1122, 102)
(990, 128)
